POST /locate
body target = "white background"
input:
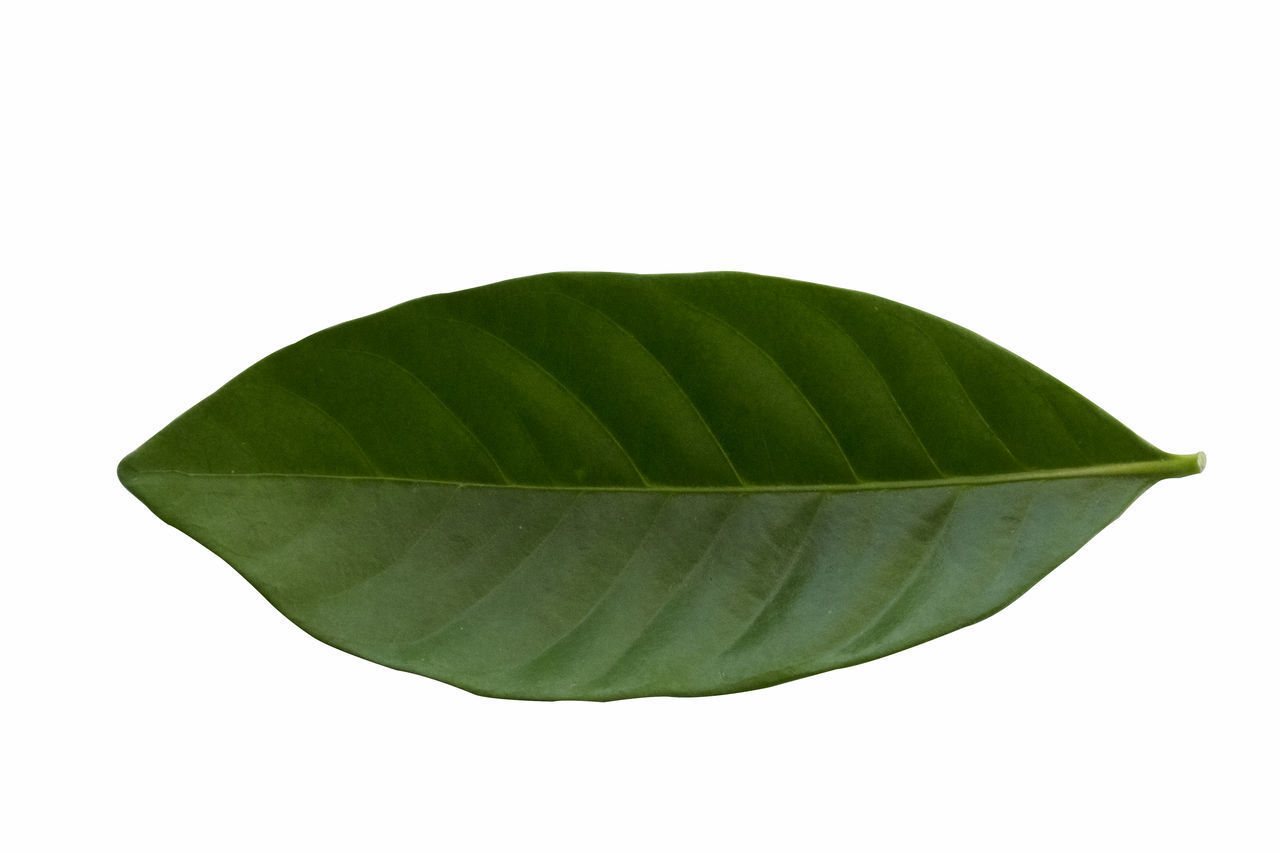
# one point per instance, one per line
(186, 187)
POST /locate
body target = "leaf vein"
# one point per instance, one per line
(455, 618)
(675, 382)
(608, 592)
(329, 415)
(801, 547)
(879, 624)
(388, 565)
(724, 321)
(946, 362)
(674, 593)
(422, 383)
(884, 383)
(560, 384)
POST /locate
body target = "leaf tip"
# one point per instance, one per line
(127, 472)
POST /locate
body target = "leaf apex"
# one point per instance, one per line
(127, 472)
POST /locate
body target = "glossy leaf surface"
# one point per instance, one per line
(597, 486)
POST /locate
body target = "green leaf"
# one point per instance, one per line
(599, 486)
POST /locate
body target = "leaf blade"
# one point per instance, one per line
(601, 486)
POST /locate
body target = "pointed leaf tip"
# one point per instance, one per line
(125, 472)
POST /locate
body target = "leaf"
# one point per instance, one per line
(599, 486)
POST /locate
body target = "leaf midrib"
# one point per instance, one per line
(1170, 466)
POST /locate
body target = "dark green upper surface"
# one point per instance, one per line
(699, 380)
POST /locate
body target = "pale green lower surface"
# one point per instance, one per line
(601, 595)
